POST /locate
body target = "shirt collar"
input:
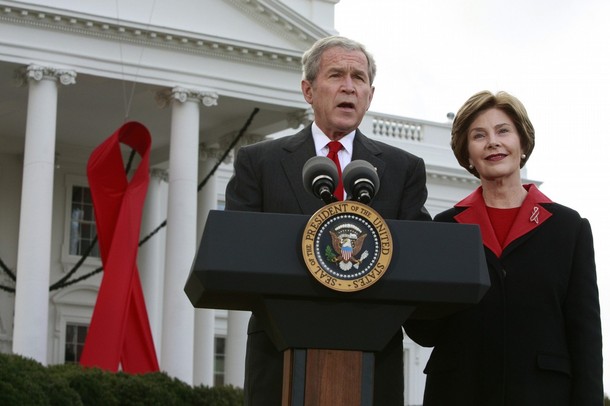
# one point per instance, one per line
(534, 195)
(321, 140)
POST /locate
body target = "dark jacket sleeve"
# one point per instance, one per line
(415, 194)
(243, 192)
(583, 324)
(402, 193)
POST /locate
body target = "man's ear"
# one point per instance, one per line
(371, 97)
(307, 91)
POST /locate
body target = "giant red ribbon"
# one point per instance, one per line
(119, 333)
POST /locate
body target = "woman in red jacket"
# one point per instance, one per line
(535, 337)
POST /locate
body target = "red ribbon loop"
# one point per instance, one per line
(119, 333)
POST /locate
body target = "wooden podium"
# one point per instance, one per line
(253, 261)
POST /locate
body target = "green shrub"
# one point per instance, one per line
(95, 387)
(155, 389)
(14, 384)
(218, 396)
(25, 381)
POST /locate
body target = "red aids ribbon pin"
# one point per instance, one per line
(534, 216)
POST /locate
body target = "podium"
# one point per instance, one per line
(253, 261)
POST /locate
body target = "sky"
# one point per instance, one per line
(554, 55)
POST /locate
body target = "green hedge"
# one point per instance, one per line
(26, 382)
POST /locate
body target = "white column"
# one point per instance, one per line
(204, 318)
(34, 251)
(178, 313)
(150, 254)
(237, 334)
(203, 368)
(415, 359)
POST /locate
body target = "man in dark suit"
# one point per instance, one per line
(337, 81)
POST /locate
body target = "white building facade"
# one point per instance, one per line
(192, 72)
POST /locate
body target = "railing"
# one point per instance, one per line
(395, 130)
(386, 126)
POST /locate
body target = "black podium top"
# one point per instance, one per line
(253, 261)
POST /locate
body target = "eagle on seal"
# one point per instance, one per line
(347, 248)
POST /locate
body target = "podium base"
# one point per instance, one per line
(318, 377)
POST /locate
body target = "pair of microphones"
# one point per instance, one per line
(360, 179)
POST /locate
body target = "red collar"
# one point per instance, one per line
(531, 215)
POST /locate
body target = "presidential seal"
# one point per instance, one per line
(347, 246)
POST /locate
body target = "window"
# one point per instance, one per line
(82, 222)
(79, 227)
(75, 341)
(219, 361)
(73, 310)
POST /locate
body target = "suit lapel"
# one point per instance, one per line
(475, 213)
(366, 150)
(301, 147)
(297, 151)
(531, 215)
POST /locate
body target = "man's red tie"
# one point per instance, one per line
(333, 148)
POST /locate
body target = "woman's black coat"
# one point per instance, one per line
(535, 337)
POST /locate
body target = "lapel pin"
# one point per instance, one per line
(534, 216)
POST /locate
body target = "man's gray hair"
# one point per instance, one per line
(311, 58)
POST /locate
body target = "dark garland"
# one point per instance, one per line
(65, 280)
(10, 274)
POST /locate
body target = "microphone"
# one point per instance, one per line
(361, 181)
(320, 177)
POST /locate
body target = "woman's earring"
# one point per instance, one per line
(523, 156)
(470, 167)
